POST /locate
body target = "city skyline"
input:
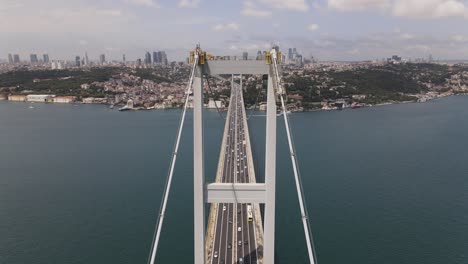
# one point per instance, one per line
(325, 29)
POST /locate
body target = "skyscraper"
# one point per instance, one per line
(77, 61)
(290, 54)
(155, 57)
(46, 58)
(86, 60)
(102, 58)
(259, 55)
(147, 58)
(245, 55)
(10, 58)
(16, 58)
(33, 58)
(163, 58)
(123, 58)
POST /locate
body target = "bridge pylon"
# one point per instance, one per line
(263, 193)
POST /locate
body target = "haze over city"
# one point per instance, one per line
(325, 29)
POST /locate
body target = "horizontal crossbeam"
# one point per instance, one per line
(217, 67)
(237, 193)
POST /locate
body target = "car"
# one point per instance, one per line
(215, 255)
(239, 229)
(241, 261)
(239, 243)
(246, 242)
(222, 261)
(230, 221)
(224, 208)
(229, 245)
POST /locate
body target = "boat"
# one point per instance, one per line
(111, 106)
(31, 107)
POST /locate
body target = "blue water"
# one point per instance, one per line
(83, 184)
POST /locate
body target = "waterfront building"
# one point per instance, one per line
(64, 99)
(45, 58)
(40, 98)
(17, 98)
(10, 58)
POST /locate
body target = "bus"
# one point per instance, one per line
(249, 213)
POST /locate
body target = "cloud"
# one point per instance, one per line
(297, 5)
(189, 3)
(147, 3)
(430, 8)
(313, 27)
(226, 27)
(406, 8)
(250, 9)
(357, 5)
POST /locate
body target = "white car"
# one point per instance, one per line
(215, 254)
(224, 208)
(239, 229)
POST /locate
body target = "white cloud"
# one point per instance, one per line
(147, 3)
(406, 8)
(430, 8)
(83, 42)
(226, 27)
(251, 10)
(313, 27)
(298, 5)
(459, 38)
(357, 5)
(189, 3)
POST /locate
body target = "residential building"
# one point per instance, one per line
(39, 98)
(16, 58)
(64, 99)
(34, 58)
(10, 58)
(46, 58)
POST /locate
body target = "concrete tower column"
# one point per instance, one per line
(198, 168)
(270, 176)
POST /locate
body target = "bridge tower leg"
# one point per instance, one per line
(198, 168)
(270, 176)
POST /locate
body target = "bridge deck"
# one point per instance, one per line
(230, 234)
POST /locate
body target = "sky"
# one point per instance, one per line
(326, 29)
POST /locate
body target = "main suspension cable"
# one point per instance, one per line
(167, 186)
(295, 165)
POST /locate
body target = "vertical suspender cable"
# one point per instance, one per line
(295, 164)
(167, 187)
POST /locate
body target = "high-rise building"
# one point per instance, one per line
(156, 57)
(10, 58)
(102, 58)
(147, 58)
(290, 54)
(138, 62)
(245, 55)
(123, 58)
(77, 61)
(259, 55)
(16, 58)
(163, 58)
(46, 58)
(33, 58)
(86, 60)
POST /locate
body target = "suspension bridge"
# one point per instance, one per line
(235, 232)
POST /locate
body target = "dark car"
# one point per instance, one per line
(229, 245)
(246, 242)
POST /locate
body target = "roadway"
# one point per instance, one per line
(235, 235)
